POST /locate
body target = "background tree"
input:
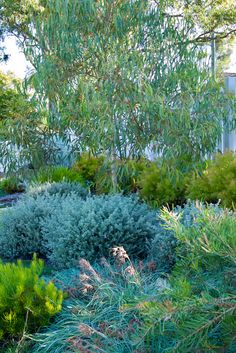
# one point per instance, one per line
(128, 75)
(24, 133)
(215, 25)
(125, 76)
(13, 103)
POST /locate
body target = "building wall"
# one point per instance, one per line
(229, 139)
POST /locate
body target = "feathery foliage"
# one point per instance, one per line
(26, 301)
(197, 312)
(160, 186)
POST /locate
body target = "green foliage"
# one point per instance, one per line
(162, 249)
(58, 174)
(88, 166)
(197, 313)
(217, 182)
(63, 188)
(121, 307)
(160, 186)
(26, 301)
(90, 228)
(11, 185)
(116, 100)
(14, 105)
(126, 171)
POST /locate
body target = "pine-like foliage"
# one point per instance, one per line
(26, 301)
(160, 187)
(197, 313)
(88, 166)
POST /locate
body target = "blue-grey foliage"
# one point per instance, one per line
(20, 226)
(90, 228)
(65, 228)
(61, 188)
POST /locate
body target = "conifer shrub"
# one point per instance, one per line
(92, 227)
(63, 188)
(26, 301)
(217, 182)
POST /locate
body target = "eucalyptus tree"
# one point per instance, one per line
(124, 76)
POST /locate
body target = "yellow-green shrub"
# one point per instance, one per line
(159, 187)
(217, 182)
(88, 166)
(26, 301)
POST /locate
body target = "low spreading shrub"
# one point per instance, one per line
(57, 174)
(217, 182)
(63, 188)
(26, 301)
(64, 228)
(90, 228)
(159, 187)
